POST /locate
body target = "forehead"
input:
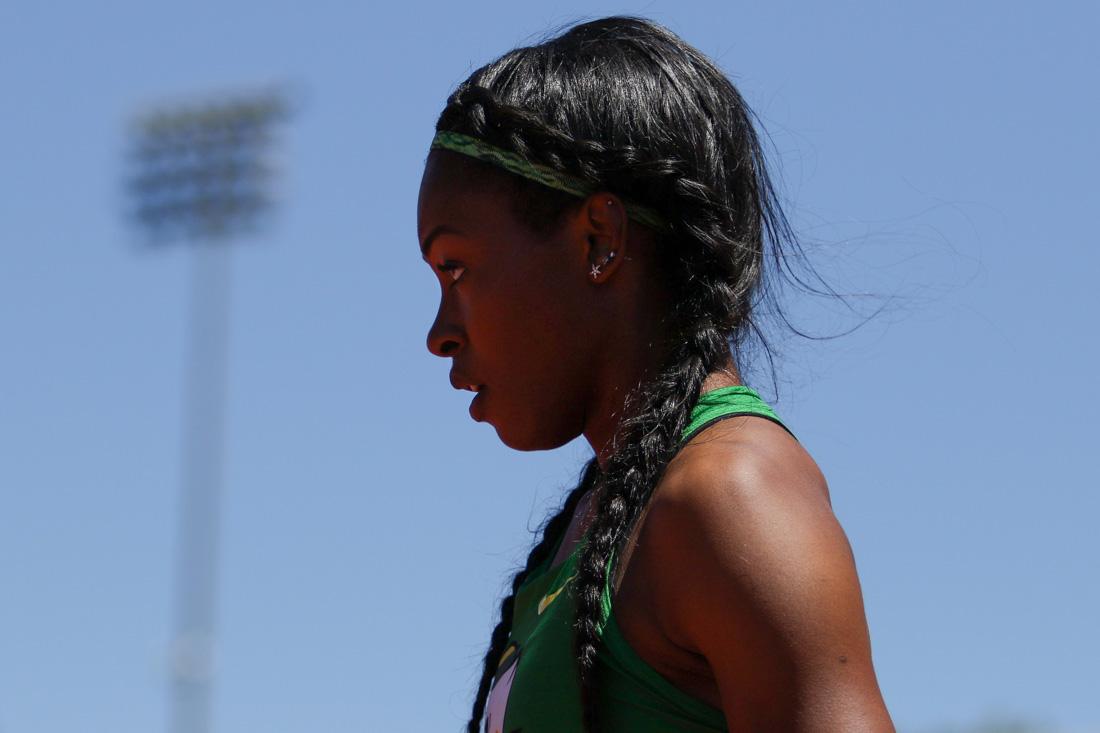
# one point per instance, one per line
(456, 191)
(469, 198)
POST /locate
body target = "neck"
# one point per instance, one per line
(610, 404)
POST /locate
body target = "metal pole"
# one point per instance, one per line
(200, 489)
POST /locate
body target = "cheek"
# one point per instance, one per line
(535, 320)
(533, 346)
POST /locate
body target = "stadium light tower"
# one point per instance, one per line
(200, 177)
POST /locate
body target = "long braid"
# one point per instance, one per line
(645, 443)
(551, 531)
(626, 106)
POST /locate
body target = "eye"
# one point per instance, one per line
(452, 270)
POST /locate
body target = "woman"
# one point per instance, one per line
(597, 211)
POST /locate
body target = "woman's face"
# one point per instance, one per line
(516, 313)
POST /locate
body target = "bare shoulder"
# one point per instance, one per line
(752, 456)
(747, 480)
(757, 577)
(762, 531)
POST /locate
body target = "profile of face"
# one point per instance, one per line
(519, 312)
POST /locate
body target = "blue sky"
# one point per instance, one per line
(941, 156)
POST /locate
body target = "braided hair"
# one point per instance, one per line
(627, 106)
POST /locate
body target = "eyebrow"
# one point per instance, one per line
(426, 245)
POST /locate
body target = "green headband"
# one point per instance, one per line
(545, 175)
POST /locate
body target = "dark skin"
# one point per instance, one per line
(760, 614)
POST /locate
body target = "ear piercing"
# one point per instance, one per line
(596, 268)
(610, 255)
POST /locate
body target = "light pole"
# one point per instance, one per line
(200, 177)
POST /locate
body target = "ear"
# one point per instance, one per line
(601, 228)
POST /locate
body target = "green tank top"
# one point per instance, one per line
(535, 689)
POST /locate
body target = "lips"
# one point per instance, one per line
(477, 406)
(460, 381)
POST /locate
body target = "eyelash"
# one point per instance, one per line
(450, 268)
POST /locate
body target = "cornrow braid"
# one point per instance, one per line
(552, 529)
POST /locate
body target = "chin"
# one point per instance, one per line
(532, 440)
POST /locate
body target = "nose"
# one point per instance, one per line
(445, 337)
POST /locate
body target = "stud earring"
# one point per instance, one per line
(596, 268)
